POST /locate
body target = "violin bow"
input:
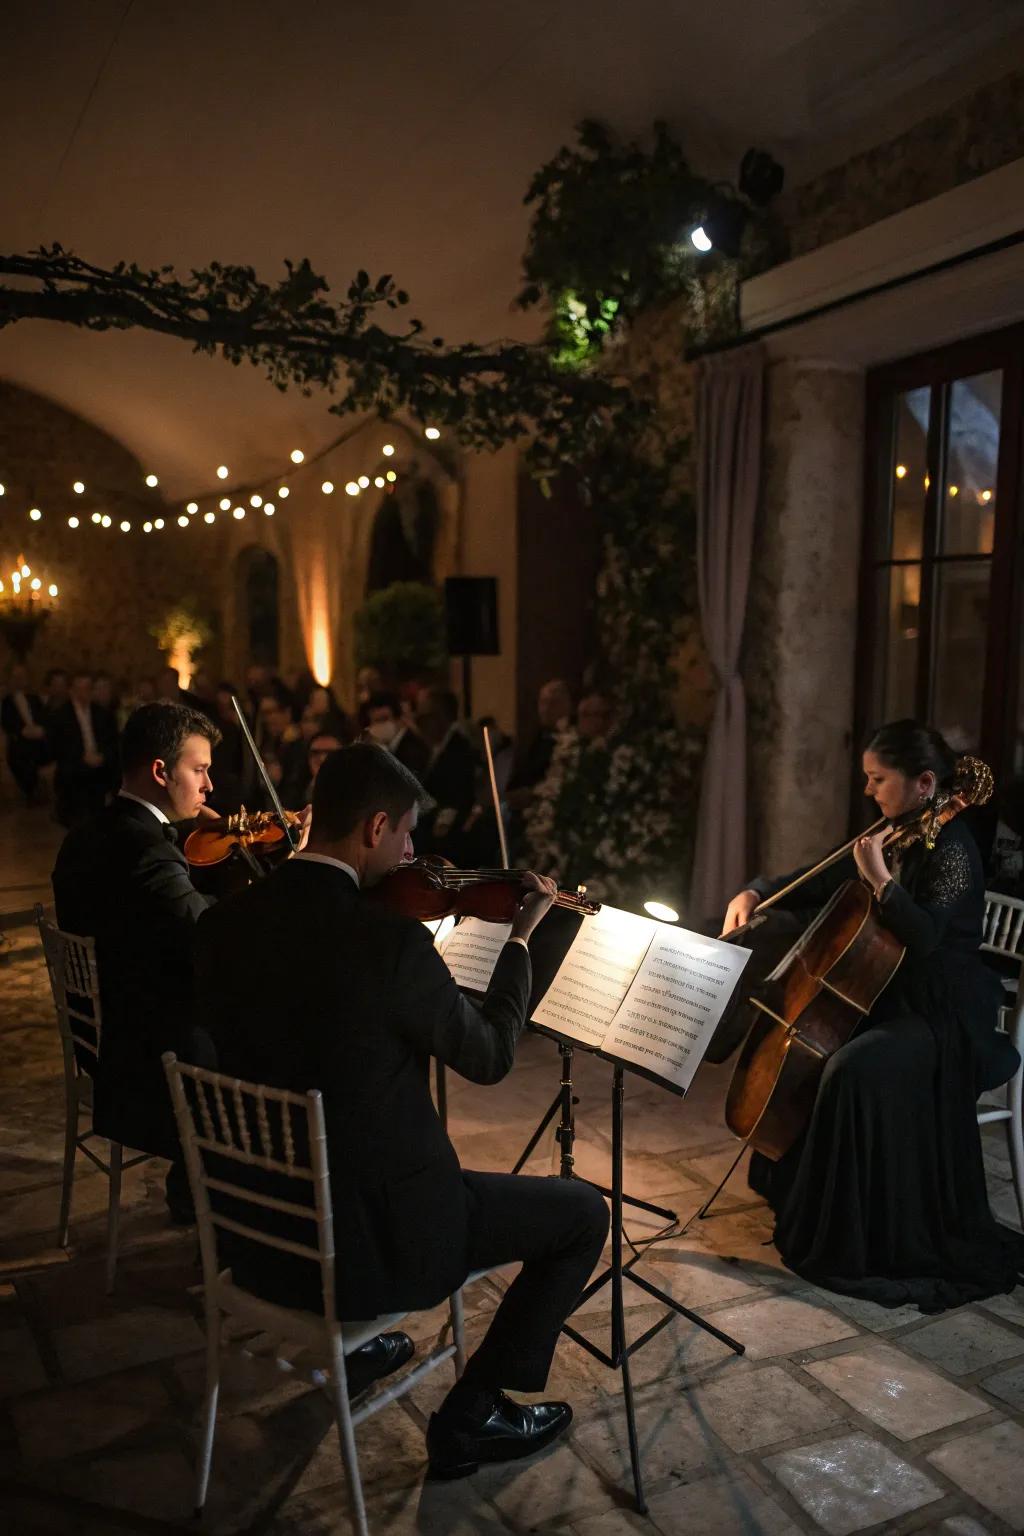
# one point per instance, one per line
(502, 841)
(265, 776)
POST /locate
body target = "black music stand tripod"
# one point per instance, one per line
(565, 1135)
(617, 1356)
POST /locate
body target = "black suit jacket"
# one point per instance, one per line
(123, 881)
(306, 983)
(67, 743)
(450, 781)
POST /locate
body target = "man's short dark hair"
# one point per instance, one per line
(355, 783)
(161, 729)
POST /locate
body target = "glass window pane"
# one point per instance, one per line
(961, 631)
(972, 457)
(909, 471)
(900, 600)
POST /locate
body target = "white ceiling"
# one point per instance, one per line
(399, 138)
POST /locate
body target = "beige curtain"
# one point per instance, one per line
(729, 434)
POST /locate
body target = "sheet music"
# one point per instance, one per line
(471, 951)
(675, 1003)
(595, 975)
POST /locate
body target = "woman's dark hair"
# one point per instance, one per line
(912, 749)
(357, 782)
(160, 730)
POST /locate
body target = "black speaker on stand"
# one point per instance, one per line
(471, 613)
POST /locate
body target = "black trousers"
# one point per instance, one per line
(557, 1229)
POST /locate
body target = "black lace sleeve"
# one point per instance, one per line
(949, 878)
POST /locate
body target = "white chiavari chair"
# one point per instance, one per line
(224, 1124)
(1004, 935)
(74, 982)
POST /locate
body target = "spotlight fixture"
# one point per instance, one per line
(761, 177)
(723, 225)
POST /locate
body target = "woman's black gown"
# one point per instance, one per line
(884, 1196)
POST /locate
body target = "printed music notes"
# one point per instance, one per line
(471, 951)
(595, 975)
(667, 1018)
(642, 992)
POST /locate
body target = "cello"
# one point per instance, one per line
(821, 991)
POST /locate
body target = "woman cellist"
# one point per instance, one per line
(884, 1195)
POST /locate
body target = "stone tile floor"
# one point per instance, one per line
(840, 1418)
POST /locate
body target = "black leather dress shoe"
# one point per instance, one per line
(386, 1353)
(457, 1446)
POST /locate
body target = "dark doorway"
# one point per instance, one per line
(404, 531)
(258, 570)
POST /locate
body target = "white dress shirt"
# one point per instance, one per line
(84, 714)
(325, 858)
(126, 794)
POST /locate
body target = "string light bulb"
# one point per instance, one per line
(268, 507)
(35, 583)
(147, 527)
(239, 513)
(379, 482)
(364, 481)
(328, 487)
(3, 490)
(986, 495)
(52, 589)
(388, 450)
(126, 526)
(282, 493)
(433, 433)
(158, 523)
(352, 489)
(97, 517)
(192, 507)
(954, 490)
(183, 521)
(222, 471)
(297, 455)
(35, 514)
(72, 522)
(26, 569)
(151, 481)
(901, 470)
(106, 520)
(391, 477)
(225, 503)
(78, 487)
(255, 500)
(209, 517)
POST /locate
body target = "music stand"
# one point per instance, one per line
(617, 1357)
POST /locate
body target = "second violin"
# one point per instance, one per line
(429, 888)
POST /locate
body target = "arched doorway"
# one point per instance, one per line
(258, 588)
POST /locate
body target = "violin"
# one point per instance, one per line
(429, 888)
(820, 992)
(214, 841)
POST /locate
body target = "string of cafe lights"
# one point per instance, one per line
(240, 502)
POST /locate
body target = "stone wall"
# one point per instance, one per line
(113, 585)
(966, 138)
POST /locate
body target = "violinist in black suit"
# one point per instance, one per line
(22, 719)
(83, 737)
(122, 879)
(349, 998)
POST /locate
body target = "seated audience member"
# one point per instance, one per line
(449, 778)
(22, 717)
(330, 713)
(170, 691)
(122, 880)
(56, 692)
(84, 742)
(380, 716)
(594, 718)
(368, 680)
(554, 713)
(368, 1001)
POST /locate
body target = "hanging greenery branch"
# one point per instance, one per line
(301, 338)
